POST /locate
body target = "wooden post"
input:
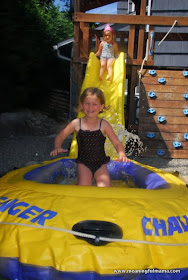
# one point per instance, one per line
(131, 44)
(76, 6)
(76, 44)
(133, 83)
(141, 32)
(74, 65)
(84, 50)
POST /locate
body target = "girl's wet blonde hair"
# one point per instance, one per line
(92, 91)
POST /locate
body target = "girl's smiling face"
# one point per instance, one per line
(92, 106)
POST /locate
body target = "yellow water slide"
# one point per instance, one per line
(113, 91)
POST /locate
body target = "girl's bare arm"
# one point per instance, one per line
(115, 141)
(99, 50)
(60, 138)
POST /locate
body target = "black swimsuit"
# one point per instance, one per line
(91, 148)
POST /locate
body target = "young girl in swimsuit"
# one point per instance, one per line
(91, 134)
(107, 51)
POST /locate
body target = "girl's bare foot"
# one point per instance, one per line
(109, 79)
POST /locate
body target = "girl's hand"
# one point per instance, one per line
(57, 151)
(122, 157)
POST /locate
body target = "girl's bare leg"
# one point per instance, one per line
(84, 175)
(102, 177)
(110, 63)
(102, 69)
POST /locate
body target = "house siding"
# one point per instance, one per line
(170, 53)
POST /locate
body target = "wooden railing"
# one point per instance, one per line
(136, 49)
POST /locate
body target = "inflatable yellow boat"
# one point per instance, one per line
(59, 231)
